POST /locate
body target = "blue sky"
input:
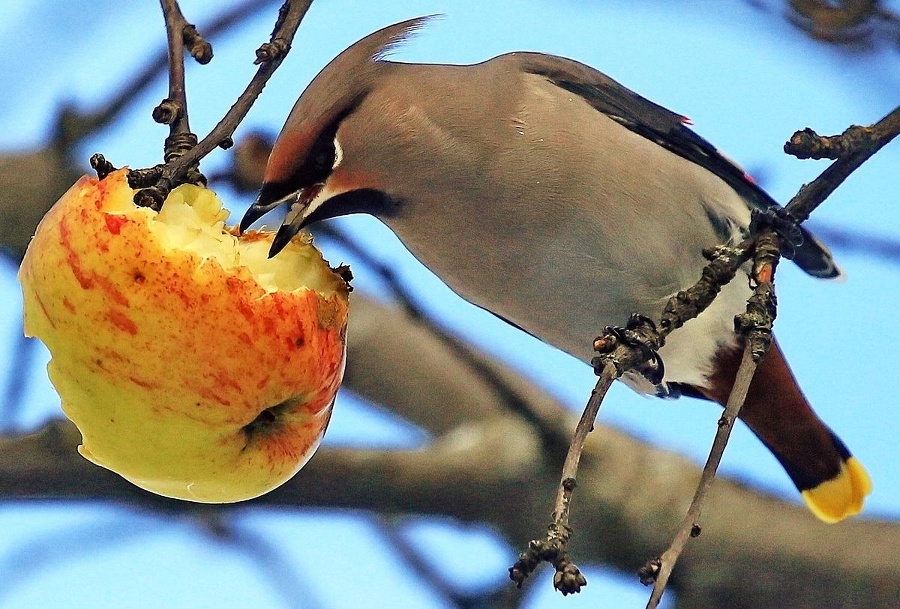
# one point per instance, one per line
(747, 80)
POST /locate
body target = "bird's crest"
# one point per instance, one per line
(381, 44)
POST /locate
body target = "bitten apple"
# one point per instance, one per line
(194, 366)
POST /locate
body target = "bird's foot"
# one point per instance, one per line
(640, 339)
(782, 222)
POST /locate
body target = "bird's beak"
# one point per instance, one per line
(295, 219)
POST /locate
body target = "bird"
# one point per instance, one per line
(549, 194)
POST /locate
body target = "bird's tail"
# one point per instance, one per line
(841, 496)
(832, 482)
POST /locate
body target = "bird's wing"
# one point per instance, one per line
(664, 127)
(669, 130)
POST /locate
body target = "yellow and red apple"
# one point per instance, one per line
(193, 365)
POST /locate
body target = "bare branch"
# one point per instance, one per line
(73, 126)
(270, 56)
(554, 549)
(855, 153)
(173, 110)
(756, 328)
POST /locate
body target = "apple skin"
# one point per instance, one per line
(190, 380)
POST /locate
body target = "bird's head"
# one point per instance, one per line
(308, 169)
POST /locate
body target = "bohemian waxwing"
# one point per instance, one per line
(552, 196)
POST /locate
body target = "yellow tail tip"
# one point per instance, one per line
(842, 496)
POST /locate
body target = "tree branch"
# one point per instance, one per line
(156, 183)
(173, 110)
(755, 327)
(854, 153)
(73, 126)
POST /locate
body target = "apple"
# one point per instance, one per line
(192, 364)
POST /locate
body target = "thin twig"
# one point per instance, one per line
(576, 447)
(269, 56)
(633, 348)
(756, 327)
(73, 126)
(174, 111)
(812, 195)
(689, 527)
(568, 579)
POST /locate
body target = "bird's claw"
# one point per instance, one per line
(638, 334)
(782, 222)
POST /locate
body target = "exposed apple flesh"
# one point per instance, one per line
(192, 364)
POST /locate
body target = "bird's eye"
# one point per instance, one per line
(322, 159)
(328, 156)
